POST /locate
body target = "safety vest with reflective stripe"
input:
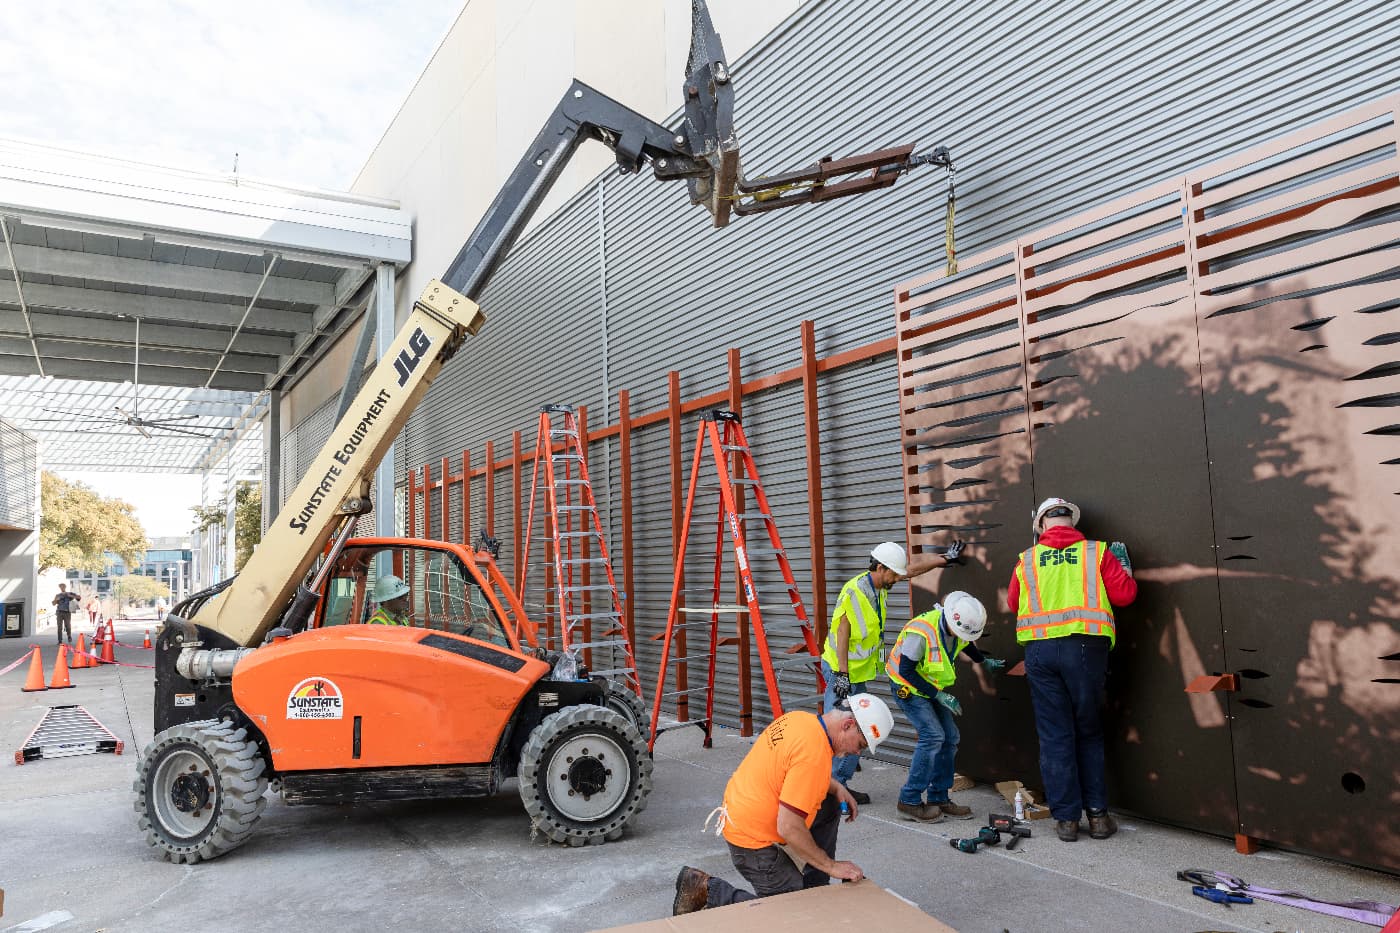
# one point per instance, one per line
(936, 666)
(867, 620)
(1063, 593)
(381, 617)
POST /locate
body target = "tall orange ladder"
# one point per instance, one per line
(722, 433)
(575, 617)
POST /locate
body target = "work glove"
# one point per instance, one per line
(953, 553)
(841, 684)
(1120, 551)
(948, 701)
(992, 665)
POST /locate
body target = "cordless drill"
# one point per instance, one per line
(986, 836)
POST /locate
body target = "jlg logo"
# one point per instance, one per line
(408, 360)
(1049, 558)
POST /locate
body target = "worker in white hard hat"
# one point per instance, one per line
(921, 669)
(392, 595)
(856, 635)
(782, 808)
(1063, 591)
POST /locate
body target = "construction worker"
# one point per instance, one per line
(1063, 592)
(921, 670)
(851, 657)
(392, 595)
(782, 807)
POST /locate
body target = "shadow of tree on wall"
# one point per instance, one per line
(1302, 619)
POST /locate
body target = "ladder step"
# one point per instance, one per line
(612, 670)
(562, 432)
(710, 610)
(796, 662)
(678, 693)
(574, 508)
(581, 616)
(584, 560)
(677, 724)
(734, 482)
(597, 644)
(745, 516)
(734, 447)
(591, 586)
(572, 458)
(567, 482)
(690, 657)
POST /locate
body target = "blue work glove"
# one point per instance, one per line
(948, 701)
(953, 553)
(1120, 550)
(841, 684)
(992, 665)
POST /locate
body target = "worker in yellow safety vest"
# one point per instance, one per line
(392, 595)
(1063, 591)
(851, 657)
(921, 670)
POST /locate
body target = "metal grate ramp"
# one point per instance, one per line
(66, 731)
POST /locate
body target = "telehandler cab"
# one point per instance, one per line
(271, 675)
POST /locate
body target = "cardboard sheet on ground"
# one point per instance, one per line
(864, 906)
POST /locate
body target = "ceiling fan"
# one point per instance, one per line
(131, 419)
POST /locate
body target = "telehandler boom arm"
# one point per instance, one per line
(703, 149)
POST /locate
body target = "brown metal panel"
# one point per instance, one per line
(811, 423)
(624, 447)
(964, 429)
(1301, 364)
(1116, 398)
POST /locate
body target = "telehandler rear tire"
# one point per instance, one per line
(621, 699)
(199, 790)
(584, 773)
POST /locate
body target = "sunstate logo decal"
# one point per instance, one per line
(315, 698)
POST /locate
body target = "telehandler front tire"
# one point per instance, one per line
(199, 790)
(584, 773)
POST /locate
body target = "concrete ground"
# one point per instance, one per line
(72, 859)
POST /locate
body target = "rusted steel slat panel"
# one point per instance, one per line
(1295, 197)
(1281, 263)
(1009, 394)
(966, 287)
(904, 291)
(1146, 220)
(1128, 256)
(1338, 272)
(1081, 292)
(1330, 215)
(966, 318)
(1097, 321)
(1376, 139)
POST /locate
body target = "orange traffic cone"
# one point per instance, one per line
(80, 656)
(107, 650)
(35, 680)
(147, 642)
(59, 680)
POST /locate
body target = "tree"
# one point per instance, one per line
(138, 588)
(247, 519)
(79, 528)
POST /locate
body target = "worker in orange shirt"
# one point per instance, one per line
(782, 807)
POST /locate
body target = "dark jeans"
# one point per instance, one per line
(772, 871)
(843, 767)
(65, 628)
(1066, 677)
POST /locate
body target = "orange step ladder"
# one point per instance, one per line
(722, 433)
(582, 604)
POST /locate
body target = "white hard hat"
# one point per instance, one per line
(873, 717)
(389, 587)
(965, 615)
(892, 556)
(1054, 502)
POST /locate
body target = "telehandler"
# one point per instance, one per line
(290, 672)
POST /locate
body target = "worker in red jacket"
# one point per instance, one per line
(1063, 592)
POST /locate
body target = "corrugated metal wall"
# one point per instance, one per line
(1048, 108)
(19, 465)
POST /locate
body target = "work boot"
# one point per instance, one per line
(920, 812)
(1101, 824)
(1067, 830)
(692, 891)
(859, 796)
(953, 811)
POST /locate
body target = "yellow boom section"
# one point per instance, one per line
(343, 470)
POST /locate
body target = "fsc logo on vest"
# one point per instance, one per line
(1053, 557)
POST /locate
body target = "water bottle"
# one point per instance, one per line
(1020, 805)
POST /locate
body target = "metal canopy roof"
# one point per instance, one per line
(235, 286)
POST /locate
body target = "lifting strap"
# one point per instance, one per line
(948, 243)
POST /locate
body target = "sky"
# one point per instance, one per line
(300, 90)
